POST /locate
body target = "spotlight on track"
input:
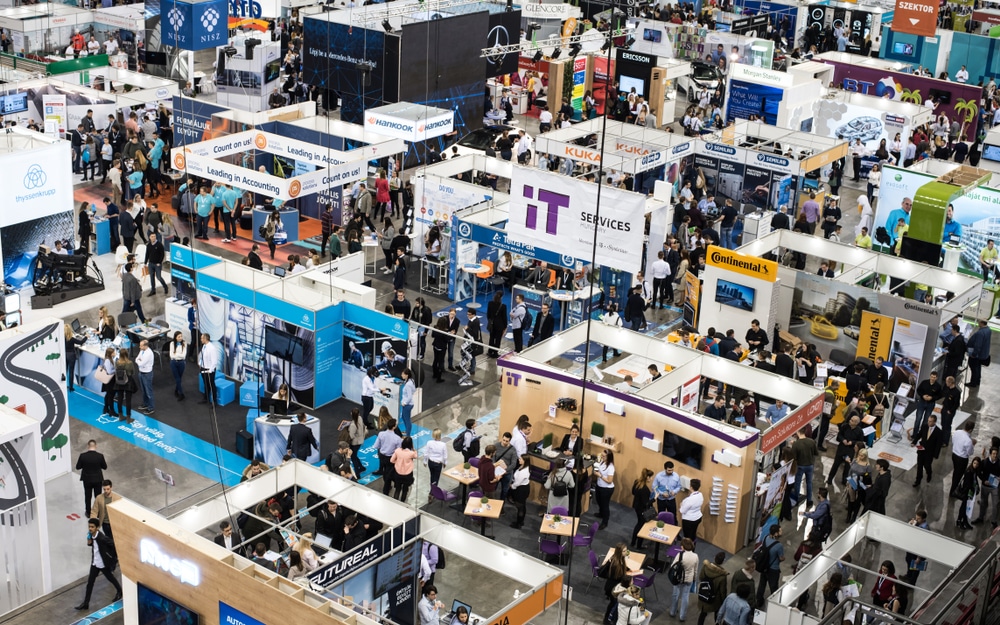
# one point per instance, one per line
(556, 53)
(537, 57)
(607, 45)
(575, 49)
(387, 26)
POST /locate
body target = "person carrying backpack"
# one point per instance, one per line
(821, 517)
(713, 586)
(681, 575)
(467, 443)
(559, 484)
(125, 385)
(769, 556)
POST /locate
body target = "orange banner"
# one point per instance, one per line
(916, 17)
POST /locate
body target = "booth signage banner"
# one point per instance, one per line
(194, 27)
(916, 17)
(791, 424)
(759, 75)
(226, 290)
(549, 11)
(554, 212)
(317, 155)
(55, 110)
(751, 266)
(875, 336)
(234, 175)
(689, 394)
(499, 239)
(254, 9)
(323, 179)
(231, 616)
(281, 309)
(374, 320)
(409, 129)
(222, 146)
(692, 293)
(39, 183)
(364, 555)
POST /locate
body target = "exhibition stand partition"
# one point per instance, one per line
(653, 422)
(24, 531)
(760, 166)
(172, 566)
(853, 315)
(44, 29)
(128, 23)
(780, 99)
(880, 537)
(247, 83)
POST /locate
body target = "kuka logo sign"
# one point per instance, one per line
(294, 188)
(553, 201)
(260, 141)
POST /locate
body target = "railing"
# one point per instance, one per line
(865, 612)
(22, 64)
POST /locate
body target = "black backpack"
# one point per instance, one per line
(528, 321)
(459, 443)
(706, 591)
(559, 487)
(675, 574)
(762, 555)
(121, 377)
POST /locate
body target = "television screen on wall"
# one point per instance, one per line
(283, 345)
(155, 609)
(906, 49)
(650, 34)
(682, 449)
(628, 82)
(735, 295)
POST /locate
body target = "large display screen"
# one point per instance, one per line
(735, 295)
(13, 103)
(991, 152)
(155, 609)
(682, 449)
(628, 83)
(283, 345)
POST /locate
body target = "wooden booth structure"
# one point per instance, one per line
(174, 567)
(651, 423)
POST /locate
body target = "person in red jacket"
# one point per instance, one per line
(884, 586)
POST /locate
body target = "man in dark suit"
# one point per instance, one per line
(928, 443)
(330, 522)
(301, 439)
(230, 538)
(76, 140)
(545, 325)
(104, 560)
(876, 494)
(91, 465)
(784, 364)
(634, 308)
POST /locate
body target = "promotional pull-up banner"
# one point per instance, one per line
(875, 336)
(558, 213)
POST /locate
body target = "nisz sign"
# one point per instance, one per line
(194, 26)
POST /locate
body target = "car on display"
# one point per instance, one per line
(821, 327)
(865, 128)
(703, 76)
(478, 140)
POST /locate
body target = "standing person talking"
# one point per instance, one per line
(690, 511)
(208, 361)
(104, 560)
(91, 465)
(605, 470)
(178, 354)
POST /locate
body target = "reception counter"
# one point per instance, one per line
(289, 224)
(270, 436)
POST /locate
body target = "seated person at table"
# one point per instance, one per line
(538, 278)
(281, 399)
(505, 269)
(110, 330)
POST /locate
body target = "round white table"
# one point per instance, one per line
(475, 269)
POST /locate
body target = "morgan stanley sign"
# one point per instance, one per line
(557, 213)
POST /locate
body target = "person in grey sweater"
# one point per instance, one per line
(132, 292)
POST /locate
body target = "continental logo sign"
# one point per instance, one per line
(741, 263)
(875, 337)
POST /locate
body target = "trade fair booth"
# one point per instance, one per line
(780, 99)
(173, 566)
(876, 537)
(44, 29)
(761, 166)
(127, 23)
(246, 74)
(838, 314)
(653, 421)
(40, 206)
(24, 532)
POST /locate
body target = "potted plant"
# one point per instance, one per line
(485, 500)
(556, 518)
(467, 466)
(576, 421)
(660, 524)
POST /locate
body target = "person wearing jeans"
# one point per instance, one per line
(689, 560)
(154, 263)
(203, 206)
(805, 451)
(770, 576)
(928, 393)
(989, 474)
(144, 362)
(208, 361)
(178, 354)
(406, 401)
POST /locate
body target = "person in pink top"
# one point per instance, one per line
(382, 198)
(402, 473)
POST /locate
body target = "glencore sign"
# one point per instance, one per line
(741, 263)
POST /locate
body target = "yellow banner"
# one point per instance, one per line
(692, 292)
(875, 337)
(741, 263)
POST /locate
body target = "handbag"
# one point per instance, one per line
(103, 376)
(648, 514)
(986, 361)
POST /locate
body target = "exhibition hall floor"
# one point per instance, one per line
(198, 465)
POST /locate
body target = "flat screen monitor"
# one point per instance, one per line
(943, 96)
(735, 295)
(155, 609)
(455, 604)
(906, 49)
(682, 449)
(155, 58)
(75, 325)
(991, 152)
(650, 34)
(271, 71)
(628, 82)
(13, 103)
(283, 345)
(280, 272)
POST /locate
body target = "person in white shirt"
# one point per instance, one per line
(523, 148)
(429, 607)
(689, 560)
(545, 120)
(93, 47)
(963, 446)
(436, 456)
(662, 288)
(519, 438)
(691, 510)
(111, 46)
(208, 362)
(144, 361)
(962, 75)
(625, 386)
(178, 355)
